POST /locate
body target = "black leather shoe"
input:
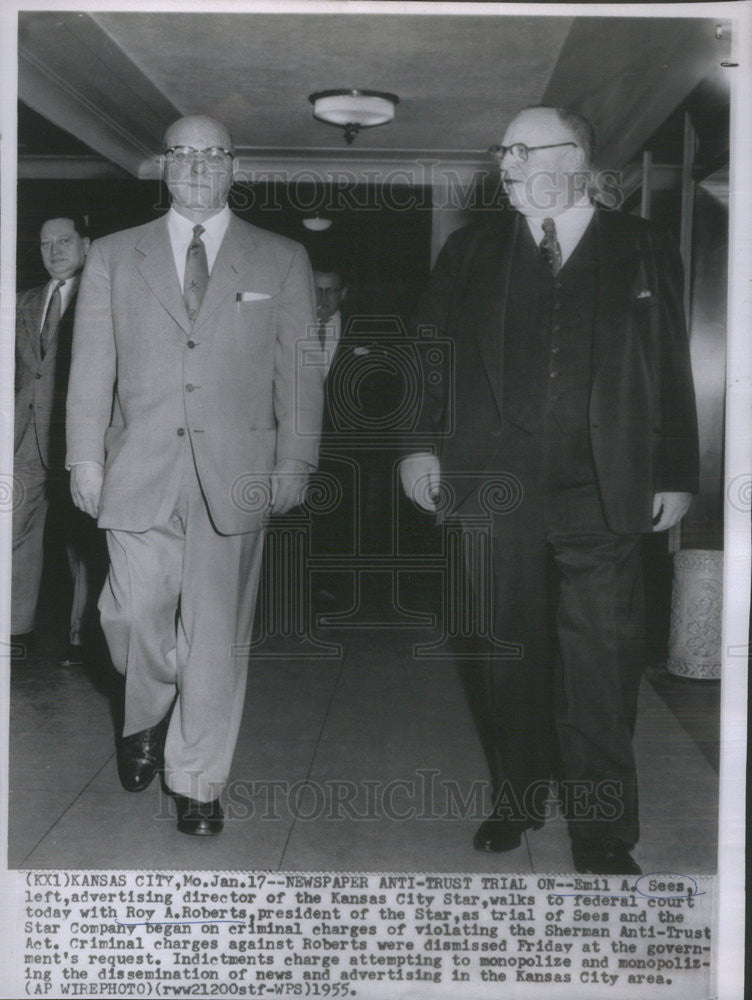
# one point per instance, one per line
(201, 819)
(72, 657)
(603, 857)
(499, 835)
(141, 755)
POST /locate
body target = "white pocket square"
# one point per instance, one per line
(360, 351)
(644, 294)
(251, 296)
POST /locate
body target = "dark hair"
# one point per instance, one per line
(578, 125)
(79, 222)
(324, 266)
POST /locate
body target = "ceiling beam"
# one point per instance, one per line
(73, 74)
(67, 168)
(71, 111)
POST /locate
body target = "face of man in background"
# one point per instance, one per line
(63, 250)
(330, 293)
(198, 184)
(543, 184)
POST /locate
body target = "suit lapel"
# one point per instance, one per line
(157, 267)
(492, 266)
(32, 321)
(237, 243)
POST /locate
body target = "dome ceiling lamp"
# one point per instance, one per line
(353, 110)
(317, 223)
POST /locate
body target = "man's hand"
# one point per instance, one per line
(289, 480)
(421, 474)
(669, 509)
(86, 486)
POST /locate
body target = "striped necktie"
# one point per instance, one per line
(51, 320)
(196, 274)
(549, 246)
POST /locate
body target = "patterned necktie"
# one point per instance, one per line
(196, 274)
(51, 320)
(549, 246)
(322, 333)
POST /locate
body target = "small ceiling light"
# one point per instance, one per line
(316, 224)
(353, 109)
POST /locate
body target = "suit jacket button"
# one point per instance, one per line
(181, 431)
(37, 375)
(190, 344)
(189, 387)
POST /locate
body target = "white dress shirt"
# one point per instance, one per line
(333, 328)
(181, 234)
(67, 290)
(570, 227)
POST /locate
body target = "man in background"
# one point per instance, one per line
(331, 292)
(333, 529)
(190, 419)
(362, 387)
(44, 330)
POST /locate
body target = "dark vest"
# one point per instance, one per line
(548, 341)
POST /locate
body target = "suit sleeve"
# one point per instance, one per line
(298, 380)
(431, 328)
(677, 457)
(93, 364)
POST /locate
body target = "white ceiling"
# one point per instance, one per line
(116, 80)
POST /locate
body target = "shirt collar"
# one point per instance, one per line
(214, 226)
(67, 289)
(573, 218)
(570, 227)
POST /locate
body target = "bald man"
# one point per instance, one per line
(190, 419)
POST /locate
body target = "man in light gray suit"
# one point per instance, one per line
(191, 416)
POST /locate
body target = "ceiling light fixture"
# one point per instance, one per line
(317, 223)
(353, 109)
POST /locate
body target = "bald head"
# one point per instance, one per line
(199, 131)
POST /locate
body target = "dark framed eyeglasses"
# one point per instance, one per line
(213, 155)
(521, 151)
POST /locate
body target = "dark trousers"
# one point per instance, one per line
(568, 590)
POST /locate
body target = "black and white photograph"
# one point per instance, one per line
(375, 485)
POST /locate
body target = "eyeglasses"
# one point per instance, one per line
(521, 151)
(214, 155)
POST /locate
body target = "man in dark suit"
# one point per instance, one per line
(191, 416)
(363, 381)
(573, 391)
(333, 527)
(44, 329)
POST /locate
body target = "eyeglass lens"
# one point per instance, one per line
(186, 154)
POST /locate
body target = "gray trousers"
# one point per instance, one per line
(177, 611)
